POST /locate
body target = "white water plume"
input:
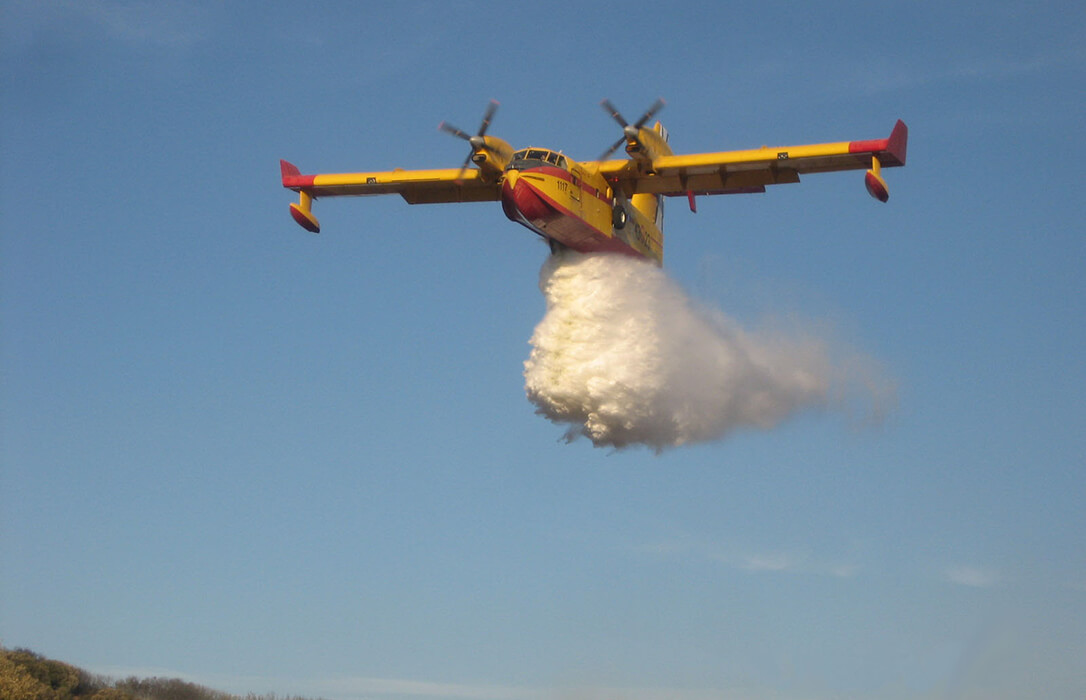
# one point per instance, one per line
(624, 357)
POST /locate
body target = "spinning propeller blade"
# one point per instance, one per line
(610, 108)
(629, 131)
(478, 143)
(490, 110)
(450, 129)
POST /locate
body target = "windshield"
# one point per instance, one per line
(536, 158)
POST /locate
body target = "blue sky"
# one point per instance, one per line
(270, 461)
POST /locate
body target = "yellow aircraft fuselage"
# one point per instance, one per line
(575, 207)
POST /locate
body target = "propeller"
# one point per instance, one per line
(629, 131)
(478, 143)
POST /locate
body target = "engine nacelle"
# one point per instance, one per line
(646, 145)
(492, 158)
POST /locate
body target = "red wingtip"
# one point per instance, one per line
(288, 169)
(898, 143)
(891, 151)
(293, 178)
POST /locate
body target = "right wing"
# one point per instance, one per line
(415, 186)
(735, 172)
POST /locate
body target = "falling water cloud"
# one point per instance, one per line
(624, 357)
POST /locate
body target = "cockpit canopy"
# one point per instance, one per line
(536, 158)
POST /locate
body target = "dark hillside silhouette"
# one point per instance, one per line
(26, 675)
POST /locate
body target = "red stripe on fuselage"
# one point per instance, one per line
(568, 177)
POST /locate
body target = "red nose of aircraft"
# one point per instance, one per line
(521, 202)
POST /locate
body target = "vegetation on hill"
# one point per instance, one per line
(25, 675)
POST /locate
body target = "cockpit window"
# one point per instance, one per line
(536, 157)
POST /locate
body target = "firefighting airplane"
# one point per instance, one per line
(601, 205)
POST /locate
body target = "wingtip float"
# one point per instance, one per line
(302, 212)
(601, 205)
(888, 152)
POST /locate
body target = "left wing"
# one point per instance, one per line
(735, 172)
(415, 186)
